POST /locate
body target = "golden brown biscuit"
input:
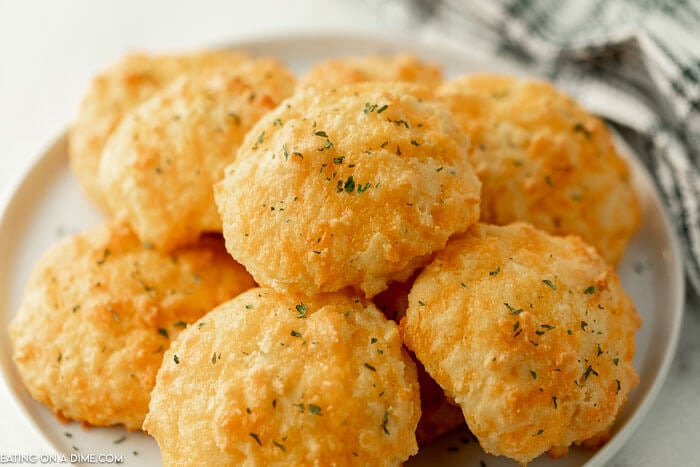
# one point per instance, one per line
(116, 91)
(531, 334)
(271, 378)
(354, 187)
(544, 160)
(159, 165)
(347, 70)
(98, 313)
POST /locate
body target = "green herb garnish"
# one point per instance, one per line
(385, 422)
(512, 310)
(301, 309)
(105, 254)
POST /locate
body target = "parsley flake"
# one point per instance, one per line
(385, 422)
(105, 254)
(349, 184)
(361, 189)
(495, 271)
(579, 128)
(550, 284)
(301, 309)
(314, 410)
(369, 108)
(296, 333)
(281, 446)
(589, 290)
(588, 372)
(512, 310)
(256, 437)
(370, 367)
(163, 332)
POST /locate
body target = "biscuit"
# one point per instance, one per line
(116, 91)
(159, 165)
(354, 187)
(542, 159)
(531, 334)
(272, 378)
(98, 313)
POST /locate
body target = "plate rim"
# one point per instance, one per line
(20, 187)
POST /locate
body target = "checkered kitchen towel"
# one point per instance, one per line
(634, 62)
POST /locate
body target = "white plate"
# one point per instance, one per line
(48, 205)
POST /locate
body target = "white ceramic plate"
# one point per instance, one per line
(48, 205)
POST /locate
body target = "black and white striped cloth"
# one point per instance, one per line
(634, 62)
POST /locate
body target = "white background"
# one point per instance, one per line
(49, 50)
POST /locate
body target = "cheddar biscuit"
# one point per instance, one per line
(351, 187)
(117, 90)
(531, 334)
(274, 378)
(159, 165)
(542, 159)
(98, 313)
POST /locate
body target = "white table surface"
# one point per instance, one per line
(49, 50)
